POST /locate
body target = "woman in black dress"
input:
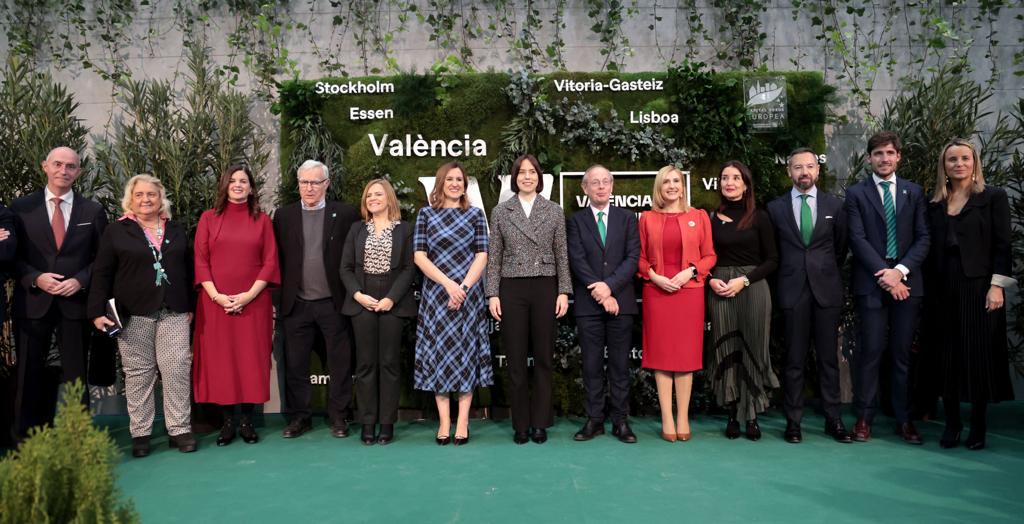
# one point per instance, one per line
(740, 304)
(968, 266)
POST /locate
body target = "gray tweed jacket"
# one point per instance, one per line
(527, 247)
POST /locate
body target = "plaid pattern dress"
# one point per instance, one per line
(453, 348)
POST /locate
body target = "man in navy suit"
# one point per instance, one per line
(810, 228)
(889, 239)
(604, 247)
(59, 233)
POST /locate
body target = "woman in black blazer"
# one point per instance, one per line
(968, 266)
(144, 263)
(377, 269)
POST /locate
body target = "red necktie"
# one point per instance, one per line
(58, 222)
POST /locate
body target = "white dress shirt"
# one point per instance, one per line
(594, 210)
(812, 202)
(892, 192)
(65, 205)
(527, 204)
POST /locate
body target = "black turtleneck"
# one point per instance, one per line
(754, 246)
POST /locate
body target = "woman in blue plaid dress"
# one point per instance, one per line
(453, 349)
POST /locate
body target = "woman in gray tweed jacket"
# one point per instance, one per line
(528, 287)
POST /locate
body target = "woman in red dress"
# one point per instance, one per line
(676, 255)
(236, 260)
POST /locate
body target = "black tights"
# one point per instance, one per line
(979, 410)
(228, 411)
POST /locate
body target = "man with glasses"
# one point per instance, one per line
(604, 247)
(310, 234)
(58, 236)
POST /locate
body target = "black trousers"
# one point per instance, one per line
(805, 323)
(37, 393)
(528, 323)
(378, 366)
(616, 334)
(890, 326)
(300, 329)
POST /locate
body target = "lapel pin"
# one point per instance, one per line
(692, 224)
(167, 241)
(333, 215)
(904, 191)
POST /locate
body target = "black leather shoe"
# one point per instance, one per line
(540, 435)
(836, 430)
(443, 441)
(624, 432)
(227, 433)
(793, 435)
(140, 446)
(753, 430)
(732, 429)
(589, 430)
(368, 437)
(297, 427)
(186, 443)
(909, 434)
(248, 432)
(387, 434)
(951, 436)
(460, 441)
(976, 438)
(339, 429)
(521, 437)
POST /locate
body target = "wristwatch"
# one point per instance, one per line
(746, 281)
(464, 287)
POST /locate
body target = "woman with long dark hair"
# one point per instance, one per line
(235, 261)
(740, 304)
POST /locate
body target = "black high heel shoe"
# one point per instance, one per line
(951, 436)
(368, 436)
(443, 441)
(976, 438)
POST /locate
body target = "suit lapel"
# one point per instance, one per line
(330, 215)
(590, 223)
(521, 221)
(823, 212)
(787, 211)
(874, 197)
(40, 217)
(902, 197)
(76, 216)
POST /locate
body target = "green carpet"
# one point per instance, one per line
(317, 478)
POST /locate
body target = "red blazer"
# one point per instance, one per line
(698, 250)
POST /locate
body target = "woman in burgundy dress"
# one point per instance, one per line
(676, 255)
(236, 260)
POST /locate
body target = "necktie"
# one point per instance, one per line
(58, 222)
(806, 220)
(892, 249)
(600, 227)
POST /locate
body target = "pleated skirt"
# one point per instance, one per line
(738, 363)
(970, 343)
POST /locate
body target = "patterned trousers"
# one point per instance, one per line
(150, 344)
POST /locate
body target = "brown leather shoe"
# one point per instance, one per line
(861, 431)
(909, 433)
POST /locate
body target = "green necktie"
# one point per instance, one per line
(892, 249)
(600, 227)
(806, 220)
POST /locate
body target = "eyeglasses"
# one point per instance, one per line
(312, 183)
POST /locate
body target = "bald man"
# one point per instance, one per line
(58, 235)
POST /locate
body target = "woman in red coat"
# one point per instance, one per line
(236, 260)
(676, 255)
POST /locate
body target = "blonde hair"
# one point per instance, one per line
(129, 188)
(942, 180)
(394, 212)
(436, 198)
(659, 179)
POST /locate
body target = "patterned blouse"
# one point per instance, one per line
(377, 254)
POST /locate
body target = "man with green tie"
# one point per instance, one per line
(889, 240)
(810, 228)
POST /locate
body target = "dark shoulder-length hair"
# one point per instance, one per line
(436, 199)
(749, 206)
(515, 172)
(225, 181)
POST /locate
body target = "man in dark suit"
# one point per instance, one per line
(604, 246)
(810, 228)
(60, 233)
(889, 239)
(310, 235)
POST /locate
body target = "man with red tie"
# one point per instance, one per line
(59, 232)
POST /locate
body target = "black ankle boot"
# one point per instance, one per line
(979, 426)
(732, 428)
(227, 432)
(753, 430)
(247, 431)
